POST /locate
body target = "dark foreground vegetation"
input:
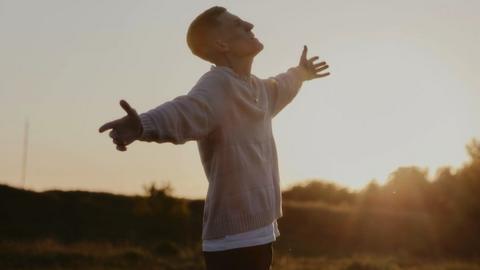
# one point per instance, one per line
(410, 222)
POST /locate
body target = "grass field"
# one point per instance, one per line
(49, 254)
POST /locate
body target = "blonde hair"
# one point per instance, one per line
(200, 30)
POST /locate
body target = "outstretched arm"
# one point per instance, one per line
(283, 87)
(187, 117)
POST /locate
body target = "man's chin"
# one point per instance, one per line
(259, 48)
(252, 50)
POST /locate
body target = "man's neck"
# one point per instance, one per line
(241, 66)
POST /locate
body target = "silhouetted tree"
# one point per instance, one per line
(318, 190)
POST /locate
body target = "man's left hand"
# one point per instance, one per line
(309, 69)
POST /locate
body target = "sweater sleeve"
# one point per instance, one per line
(282, 88)
(187, 117)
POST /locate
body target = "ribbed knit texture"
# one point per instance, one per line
(231, 119)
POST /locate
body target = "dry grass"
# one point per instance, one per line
(50, 254)
(370, 262)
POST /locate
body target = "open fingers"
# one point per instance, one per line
(322, 75)
(108, 125)
(304, 52)
(115, 138)
(118, 141)
(121, 147)
(312, 59)
(321, 68)
(319, 64)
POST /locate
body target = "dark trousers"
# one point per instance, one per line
(246, 258)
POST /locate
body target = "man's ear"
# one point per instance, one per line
(220, 46)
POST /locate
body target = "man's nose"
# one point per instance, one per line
(248, 26)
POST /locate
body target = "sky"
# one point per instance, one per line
(404, 88)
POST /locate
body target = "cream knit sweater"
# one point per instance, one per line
(231, 119)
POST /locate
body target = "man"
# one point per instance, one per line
(229, 113)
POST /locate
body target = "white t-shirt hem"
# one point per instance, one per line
(254, 237)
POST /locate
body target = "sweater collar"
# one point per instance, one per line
(231, 72)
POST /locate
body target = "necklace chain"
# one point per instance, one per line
(249, 81)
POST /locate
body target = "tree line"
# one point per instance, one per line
(409, 213)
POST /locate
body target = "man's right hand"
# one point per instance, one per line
(124, 130)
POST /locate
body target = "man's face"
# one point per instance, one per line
(236, 37)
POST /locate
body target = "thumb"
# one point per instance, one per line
(304, 53)
(127, 108)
